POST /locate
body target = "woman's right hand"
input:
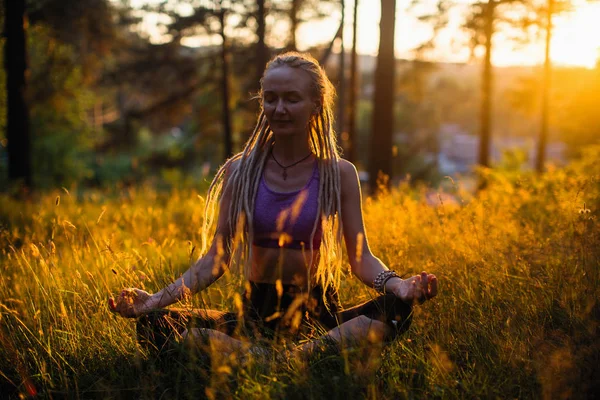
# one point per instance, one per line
(131, 303)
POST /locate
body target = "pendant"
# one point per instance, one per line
(284, 174)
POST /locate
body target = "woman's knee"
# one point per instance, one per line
(369, 329)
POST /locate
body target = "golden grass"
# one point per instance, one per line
(517, 314)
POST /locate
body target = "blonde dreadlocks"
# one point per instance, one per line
(244, 180)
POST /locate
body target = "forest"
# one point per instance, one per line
(116, 114)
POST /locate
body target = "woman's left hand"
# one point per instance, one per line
(416, 289)
(131, 303)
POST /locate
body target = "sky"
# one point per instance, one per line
(576, 39)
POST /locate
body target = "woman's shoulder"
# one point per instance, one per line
(347, 169)
(231, 165)
(349, 181)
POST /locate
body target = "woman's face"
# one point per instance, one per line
(287, 100)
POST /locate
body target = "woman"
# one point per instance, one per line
(284, 204)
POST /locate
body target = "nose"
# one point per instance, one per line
(280, 107)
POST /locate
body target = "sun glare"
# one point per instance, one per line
(575, 42)
(577, 37)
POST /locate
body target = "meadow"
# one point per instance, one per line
(517, 315)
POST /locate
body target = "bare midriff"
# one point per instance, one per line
(291, 266)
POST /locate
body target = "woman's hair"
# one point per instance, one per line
(244, 179)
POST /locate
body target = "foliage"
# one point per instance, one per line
(517, 315)
(575, 93)
(62, 135)
(65, 45)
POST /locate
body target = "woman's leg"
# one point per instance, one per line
(389, 309)
(221, 343)
(158, 328)
(360, 330)
(376, 321)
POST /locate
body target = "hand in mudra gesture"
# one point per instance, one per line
(416, 289)
(130, 303)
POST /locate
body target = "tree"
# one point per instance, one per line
(546, 13)
(341, 119)
(299, 12)
(227, 134)
(380, 160)
(262, 52)
(351, 142)
(481, 24)
(15, 59)
(294, 11)
(66, 41)
(543, 139)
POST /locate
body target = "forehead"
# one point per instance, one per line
(287, 79)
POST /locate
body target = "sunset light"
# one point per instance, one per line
(187, 188)
(576, 40)
(576, 37)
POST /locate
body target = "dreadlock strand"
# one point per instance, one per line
(245, 179)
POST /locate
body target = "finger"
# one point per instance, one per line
(424, 278)
(111, 304)
(424, 281)
(433, 289)
(417, 292)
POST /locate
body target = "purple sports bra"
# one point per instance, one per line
(287, 219)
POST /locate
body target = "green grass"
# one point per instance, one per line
(517, 315)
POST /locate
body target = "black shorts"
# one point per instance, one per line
(269, 314)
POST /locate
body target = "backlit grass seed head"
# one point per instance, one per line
(238, 304)
(101, 214)
(35, 251)
(279, 288)
(359, 246)
(284, 239)
(296, 320)
(281, 219)
(220, 248)
(297, 206)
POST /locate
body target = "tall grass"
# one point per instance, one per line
(517, 315)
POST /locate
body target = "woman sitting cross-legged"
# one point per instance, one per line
(285, 202)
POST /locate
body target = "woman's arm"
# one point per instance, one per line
(363, 263)
(198, 277)
(208, 268)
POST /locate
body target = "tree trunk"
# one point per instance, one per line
(486, 88)
(293, 25)
(327, 52)
(380, 159)
(15, 61)
(342, 79)
(351, 145)
(541, 153)
(262, 56)
(227, 136)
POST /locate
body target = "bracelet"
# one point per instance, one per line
(382, 278)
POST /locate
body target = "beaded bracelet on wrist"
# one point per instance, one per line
(382, 278)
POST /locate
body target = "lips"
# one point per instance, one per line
(281, 124)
